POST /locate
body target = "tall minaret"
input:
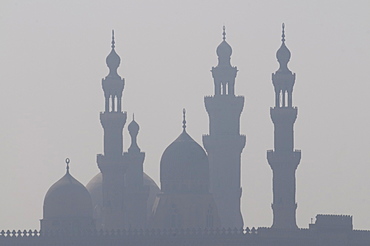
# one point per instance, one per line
(136, 193)
(224, 143)
(111, 163)
(283, 159)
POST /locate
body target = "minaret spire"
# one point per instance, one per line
(67, 162)
(283, 32)
(113, 42)
(284, 160)
(224, 74)
(184, 119)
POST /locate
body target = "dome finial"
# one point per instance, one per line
(224, 33)
(283, 33)
(184, 119)
(67, 162)
(113, 42)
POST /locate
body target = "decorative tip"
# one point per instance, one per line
(133, 116)
(67, 162)
(283, 33)
(113, 42)
(184, 119)
(224, 33)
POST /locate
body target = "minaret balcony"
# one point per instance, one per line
(113, 119)
(284, 159)
(111, 163)
(283, 115)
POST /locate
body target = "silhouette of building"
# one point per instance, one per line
(284, 159)
(185, 201)
(199, 200)
(224, 144)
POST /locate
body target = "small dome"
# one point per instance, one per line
(113, 60)
(224, 50)
(283, 54)
(184, 166)
(66, 199)
(133, 127)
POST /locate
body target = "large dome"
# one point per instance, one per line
(95, 188)
(67, 199)
(184, 166)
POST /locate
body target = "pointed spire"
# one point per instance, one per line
(67, 162)
(283, 53)
(113, 60)
(133, 129)
(184, 119)
(113, 42)
(224, 50)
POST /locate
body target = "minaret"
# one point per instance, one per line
(136, 193)
(111, 163)
(283, 159)
(224, 143)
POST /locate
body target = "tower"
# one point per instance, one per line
(283, 159)
(111, 163)
(136, 193)
(224, 143)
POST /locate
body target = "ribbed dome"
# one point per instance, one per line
(66, 199)
(184, 166)
(224, 50)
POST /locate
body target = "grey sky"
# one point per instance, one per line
(52, 60)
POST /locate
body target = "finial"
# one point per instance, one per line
(184, 119)
(283, 33)
(133, 116)
(113, 42)
(67, 162)
(224, 33)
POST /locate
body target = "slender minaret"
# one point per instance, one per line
(111, 163)
(224, 143)
(283, 159)
(136, 193)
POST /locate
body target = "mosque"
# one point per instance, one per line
(198, 201)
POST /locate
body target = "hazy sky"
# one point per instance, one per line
(52, 60)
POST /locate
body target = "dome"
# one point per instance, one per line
(184, 166)
(283, 54)
(113, 60)
(67, 199)
(133, 127)
(95, 188)
(224, 50)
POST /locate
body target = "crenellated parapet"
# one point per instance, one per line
(190, 236)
